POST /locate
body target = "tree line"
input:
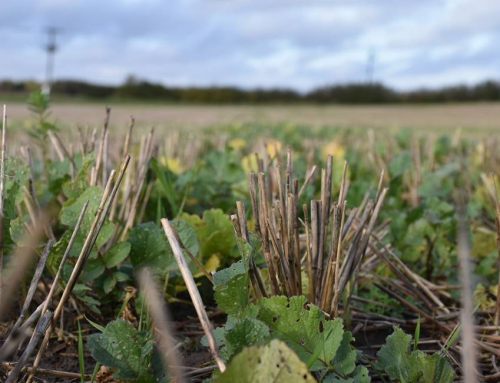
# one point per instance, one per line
(355, 93)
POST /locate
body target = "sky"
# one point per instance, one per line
(255, 43)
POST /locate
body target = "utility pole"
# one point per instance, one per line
(51, 49)
(370, 67)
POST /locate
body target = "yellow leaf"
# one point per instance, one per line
(334, 149)
(173, 164)
(237, 143)
(273, 147)
(249, 163)
(213, 263)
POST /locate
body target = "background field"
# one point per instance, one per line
(470, 117)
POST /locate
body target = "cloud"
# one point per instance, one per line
(255, 43)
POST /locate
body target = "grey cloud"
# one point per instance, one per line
(291, 43)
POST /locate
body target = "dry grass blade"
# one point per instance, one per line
(163, 329)
(307, 181)
(2, 188)
(16, 338)
(193, 292)
(21, 260)
(497, 222)
(469, 354)
(50, 372)
(35, 339)
(33, 286)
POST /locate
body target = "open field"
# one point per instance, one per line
(281, 252)
(473, 117)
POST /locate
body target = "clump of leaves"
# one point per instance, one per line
(129, 352)
(215, 233)
(403, 365)
(38, 104)
(121, 347)
(319, 342)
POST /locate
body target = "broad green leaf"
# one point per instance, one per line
(73, 188)
(109, 284)
(149, 247)
(360, 375)
(121, 277)
(17, 229)
(218, 233)
(93, 269)
(272, 363)
(396, 360)
(57, 252)
(305, 328)
(16, 176)
(344, 362)
(239, 333)
(436, 368)
(117, 254)
(404, 366)
(231, 288)
(124, 349)
(188, 236)
(215, 233)
(106, 233)
(72, 207)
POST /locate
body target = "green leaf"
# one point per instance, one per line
(16, 176)
(360, 375)
(72, 208)
(306, 330)
(149, 247)
(121, 277)
(238, 334)
(395, 359)
(435, 368)
(188, 236)
(272, 363)
(231, 288)
(117, 254)
(106, 233)
(215, 233)
(404, 366)
(93, 269)
(124, 349)
(73, 188)
(57, 251)
(345, 359)
(109, 284)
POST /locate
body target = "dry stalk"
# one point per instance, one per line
(497, 221)
(334, 245)
(143, 165)
(20, 261)
(33, 286)
(193, 292)
(163, 329)
(2, 188)
(469, 354)
(30, 348)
